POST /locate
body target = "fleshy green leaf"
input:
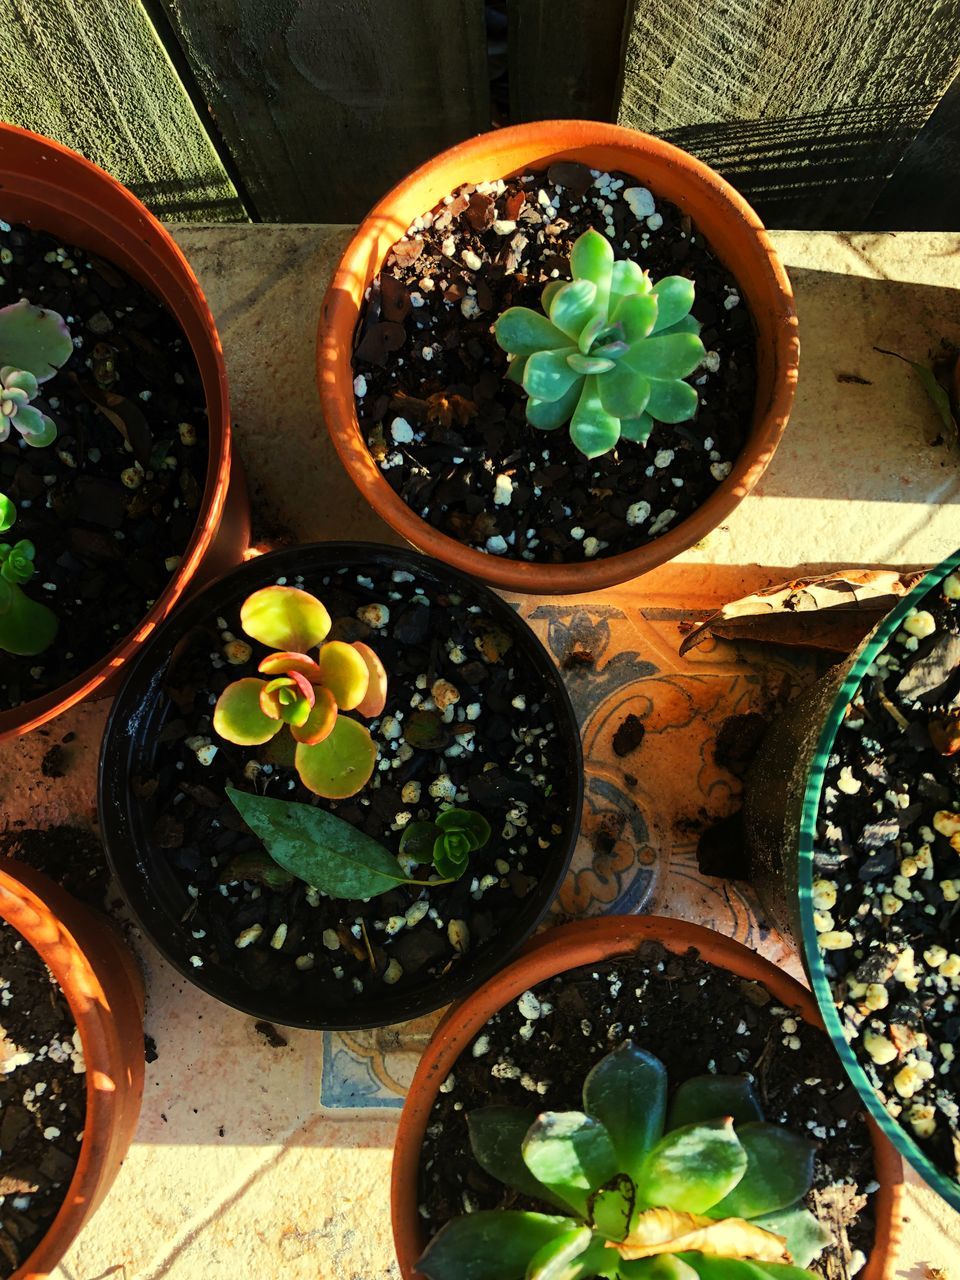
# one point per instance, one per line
(691, 1168)
(550, 291)
(779, 1172)
(573, 304)
(637, 314)
(687, 325)
(672, 401)
(515, 368)
(610, 1207)
(627, 1092)
(319, 847)
(664, 1266)
(563, 1258)
(238, 716)
(284, 618)
(582, 364)
(626, 278)
(37, 429)
(593, 430)
(708, 1267)
(571, 1153)
(806, 1238)
(496, 1139)
(523, 332)
(592, 259)
(451, 856)
(624, 393)
(674, 296)
(591, 331)
(469, 821)
(26, 626)
(341, 764)
(344, 672)
(674, 355)
(548, 376)
(489, 1245)
(709, 1097)
(321, 721)
(34, 339)
(418, 839)
(547, 417)
(637, 429)
(8, 513)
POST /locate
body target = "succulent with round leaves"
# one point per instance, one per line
(34, 343)
(697, 1189)
(448, 842)
(26, 627)
(334, 755)
(611, 352)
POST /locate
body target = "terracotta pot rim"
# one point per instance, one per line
(571, 946)
(29, 903)
(339, 314)
(30, 715)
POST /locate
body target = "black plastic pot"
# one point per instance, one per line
(158, 898)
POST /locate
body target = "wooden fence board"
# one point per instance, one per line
(565, 58)
(807, 107)
(325, 104)
(924, 192)
(95, 77)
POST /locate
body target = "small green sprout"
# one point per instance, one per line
(34, 343)
(611, 352)
(26, 627)
(448, 842)
(335, 756)
(702, 1188)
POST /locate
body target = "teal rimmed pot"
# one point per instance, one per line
(781, 806)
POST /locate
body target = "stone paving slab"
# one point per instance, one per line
(274, 1162)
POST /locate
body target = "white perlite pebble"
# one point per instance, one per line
(920, 624)
(481, 1046)
(504, 226)
(637, 513)
(502, 491)
(471, 260)
(590, 547)
(401, 431)
(529, 1006)
(847, 783)
(655, 222)
(640, 201)
(469, 308)
(663, 458)
(662, 520)
(951, 587)
(731, 300)
(720, 470)
(359, 386)
(496, 545)
(711, 361)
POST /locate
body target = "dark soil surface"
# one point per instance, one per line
(72, 856)
(887, 875)
(496, 749)
(696, 1019)
(445, 426)
(110, 505)
(42, 1099)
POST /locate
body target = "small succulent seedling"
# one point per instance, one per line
(610, 353)
(26, 627)
(335, 755)
(448, 842)
(34, 343)
(702, 1188)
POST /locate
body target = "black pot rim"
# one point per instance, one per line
(129, 861)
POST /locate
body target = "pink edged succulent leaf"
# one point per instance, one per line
(319, 847)
(319, 723)
(345, 673)
(285, 618)
(239, 717)
(375, 699)
(281, 664)
(341, 764)
(33, 340)
(289, 698)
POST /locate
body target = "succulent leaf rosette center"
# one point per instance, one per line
(609, 353)
(34, 343)
(26, 627)
(700, 1188)
(334, 755)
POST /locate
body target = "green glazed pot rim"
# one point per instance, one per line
(945, 1186)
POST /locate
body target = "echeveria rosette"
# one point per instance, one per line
(448, 842)
(334, 756)
(701, 1190)
(34, 343)
(26, 627)
(611, 352)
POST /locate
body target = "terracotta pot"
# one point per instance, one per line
(568, 947)
(49, 187)
(724, 217)
(104, 989)
(781, 804)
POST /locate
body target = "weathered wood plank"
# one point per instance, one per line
(806, 107)
(565, 58)
(95, 77)
(324, 104)
(924, 192)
